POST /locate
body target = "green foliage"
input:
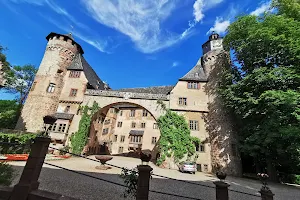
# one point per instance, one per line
(64, 150)
(3, 59)
(6, 174)
(262, 90)
(175, 140)
(130, 177)
(19, 80)
(9, 113)
(25, 140)
(79, 139)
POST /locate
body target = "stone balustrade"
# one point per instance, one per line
(126, 95)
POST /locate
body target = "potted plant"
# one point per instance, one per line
(220, 173)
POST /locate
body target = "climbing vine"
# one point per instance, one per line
(175, 140)
(79, 138)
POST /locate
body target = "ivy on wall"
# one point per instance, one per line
(80, 138)
(175, 137)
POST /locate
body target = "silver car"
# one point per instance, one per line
(188, 167)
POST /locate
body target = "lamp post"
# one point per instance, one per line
(49, 120)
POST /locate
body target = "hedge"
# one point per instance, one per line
(22, 143)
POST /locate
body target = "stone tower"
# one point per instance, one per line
(43, 98)
(223, 140)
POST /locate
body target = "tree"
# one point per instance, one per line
(262, 90)
(19, 80)
(9, 113)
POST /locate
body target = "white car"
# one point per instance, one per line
(188, 167)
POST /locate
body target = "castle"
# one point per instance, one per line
(127, 118)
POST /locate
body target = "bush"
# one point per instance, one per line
(6, 174)
(9, 113)
(22, 141)
(290, 178)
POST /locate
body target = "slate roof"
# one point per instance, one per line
(64, 116)
(195, 74)
(149, 90)
(136, 132)
(79, 63)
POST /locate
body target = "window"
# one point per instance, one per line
(145, 113)
(194, 125)
(121, 149)
(73, 92)
(182, 101)
(132, 113)
(154, 140)
(122, 138)
(115, 138)
(33, 86)
(200, 147)
(67, 109)
(107, 121)
(74, 74)
(105, 131)
(135, 139)
(133, 124)
(60, 127)
(143, 125)
(121, 112)
(155, 126)
(193, 85)
(119, 124)
(51, 88)
(54, 127)
(112, 110)
(63, 128)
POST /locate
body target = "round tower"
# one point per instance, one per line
(43, 98)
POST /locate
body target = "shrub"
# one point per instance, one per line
(6, 174)
(22, 141)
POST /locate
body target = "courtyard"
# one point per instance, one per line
(78, 186)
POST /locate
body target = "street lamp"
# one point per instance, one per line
(48, 121)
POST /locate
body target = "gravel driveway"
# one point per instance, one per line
(86, 188)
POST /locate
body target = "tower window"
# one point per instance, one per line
(153, 140)
(33, 86)
(51, 88)
(155, 126)
(105, 131)
(73, 92)
(193, 85)
(132, 113)
(194, 125)
(182, 101)
(74, 74)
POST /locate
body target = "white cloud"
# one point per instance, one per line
(175, 64)
(220, 26)
(261, 9)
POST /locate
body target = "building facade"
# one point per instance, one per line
(127, 118)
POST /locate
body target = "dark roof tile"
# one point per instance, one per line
(149, 90)
(195, 74)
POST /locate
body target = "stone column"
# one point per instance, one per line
(221, 190)
(266, 194)
(32, 169)
(142, 192)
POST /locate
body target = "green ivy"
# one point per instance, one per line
(175, 137)
(80, 138)
(6, 174)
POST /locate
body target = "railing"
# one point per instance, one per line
(28, 184)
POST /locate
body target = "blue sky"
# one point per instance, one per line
(129, 43)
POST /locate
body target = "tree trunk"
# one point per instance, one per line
(271, 170)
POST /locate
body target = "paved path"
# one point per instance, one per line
(85, 188)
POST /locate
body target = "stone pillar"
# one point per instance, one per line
(221, 190)
(142, 191)
(32, 169)
(266, 194)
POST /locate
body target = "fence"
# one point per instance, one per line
(27, 187)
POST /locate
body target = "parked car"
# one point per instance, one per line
(188, 167)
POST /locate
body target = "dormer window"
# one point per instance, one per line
(74, 74)
(196, 75)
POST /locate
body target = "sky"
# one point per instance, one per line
(129, 43)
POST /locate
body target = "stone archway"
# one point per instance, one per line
(124, 128)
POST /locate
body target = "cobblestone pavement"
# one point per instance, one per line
(86, 188)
